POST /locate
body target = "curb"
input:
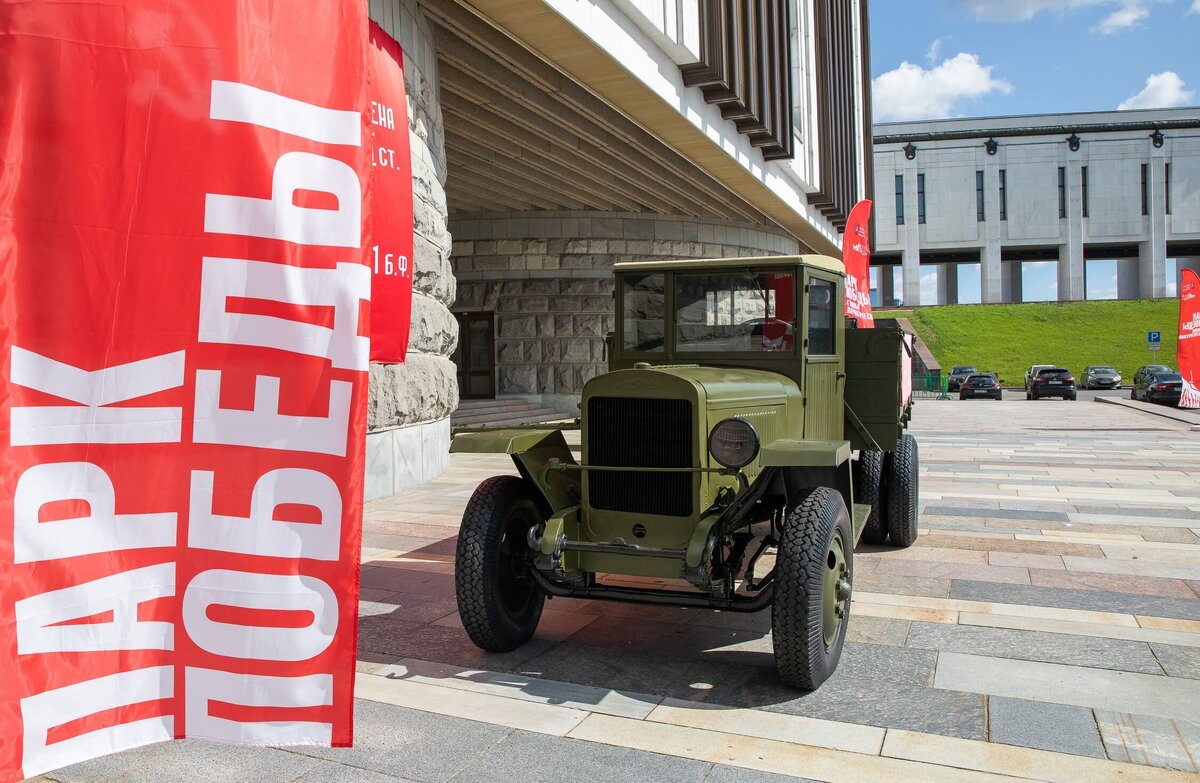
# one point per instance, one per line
(1164, 413)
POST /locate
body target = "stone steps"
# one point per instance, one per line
(502, 412)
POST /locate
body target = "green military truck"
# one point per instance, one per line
(745, 438)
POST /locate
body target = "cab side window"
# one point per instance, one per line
(820, 318)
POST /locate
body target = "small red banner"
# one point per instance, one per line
(1188, 347)
(391, 211)
(856, 255)
(183, 373)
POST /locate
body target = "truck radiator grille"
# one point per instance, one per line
(640, 433)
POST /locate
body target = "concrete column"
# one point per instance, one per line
(947, 288)
(1152, 255)
(1128, 284)
(1072, 281)
(992, 285)
(1186, 263)
(912, 275)
(990, 270)
(887, 285)
(1014, 283)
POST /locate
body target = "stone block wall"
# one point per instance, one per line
(548, 278)
(410, 403)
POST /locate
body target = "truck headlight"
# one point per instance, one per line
(733, 443)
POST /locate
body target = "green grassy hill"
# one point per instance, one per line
(1007, 339)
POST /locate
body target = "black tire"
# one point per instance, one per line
(901, 476)
(498, 603)
(1028, 396)
(806, 649)
(1133, 394)
(868, 488)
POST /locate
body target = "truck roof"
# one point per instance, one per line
(825, 263)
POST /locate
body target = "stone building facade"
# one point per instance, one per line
(552, 139)
(1000, 192)
(553, 296)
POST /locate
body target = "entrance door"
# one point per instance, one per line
(475, 356)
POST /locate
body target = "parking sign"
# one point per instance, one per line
(1153, 337)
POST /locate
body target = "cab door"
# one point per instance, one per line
(824, 362)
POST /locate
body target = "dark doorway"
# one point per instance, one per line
(475, 356)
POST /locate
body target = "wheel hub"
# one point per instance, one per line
(837, 589)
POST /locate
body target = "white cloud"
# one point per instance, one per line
(1195, 9)
(911, 92)
(1162, 91)
(1127, 14)
(1021, 10)
(929, 288)
(935, 48)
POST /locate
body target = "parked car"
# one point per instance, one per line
(1052, 382)
(958, 374)
(1161, 387)
(1101, 376)
(1033, 371)
(980, 385)
(1139, 377)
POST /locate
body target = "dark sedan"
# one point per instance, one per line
(1164, 388)
(982, 385)
(958, 374)
(1052, 382)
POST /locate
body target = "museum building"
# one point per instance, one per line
(1002, 192)
(553, 138)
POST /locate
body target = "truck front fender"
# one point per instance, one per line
(805, 453)
(531, 452)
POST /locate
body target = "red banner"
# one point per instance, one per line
(856, 255)
(183, 373)
(391, 212)
(1188, 349)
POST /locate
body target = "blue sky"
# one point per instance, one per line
(973, 58)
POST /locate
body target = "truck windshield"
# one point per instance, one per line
(735, 312)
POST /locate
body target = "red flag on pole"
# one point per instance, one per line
(184, 301)
(856, 255)
(391, 209)
(1188, 350)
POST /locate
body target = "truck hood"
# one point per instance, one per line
(723, 387)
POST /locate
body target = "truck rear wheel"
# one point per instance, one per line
(811, 607)
(901, 469)
(868, 488)
(498, 602)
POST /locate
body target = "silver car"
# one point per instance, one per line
(1101, 376)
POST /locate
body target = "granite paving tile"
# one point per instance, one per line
(996, 513)
(902, 585)
(847, 696)
(955, 571)
(877, 630)
(1169, 588)
(1060, 598)
(1165, 512)
(1179, 661)
(421, 746)
(723, 773)
(1035, 646)
(189, 761)
(1001, 545)
(537, 758)
(329, 772)
(1195, 585)
(388, 637)
(1061, 728)
(1150, 740)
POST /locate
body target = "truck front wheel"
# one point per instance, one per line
(811, 607)
(901, 469)
(498, 602)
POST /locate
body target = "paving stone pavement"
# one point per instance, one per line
(1045, 627)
